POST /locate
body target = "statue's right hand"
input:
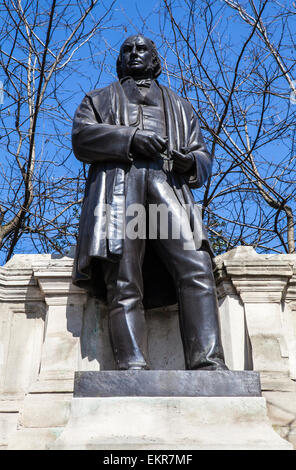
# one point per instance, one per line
(147, 144)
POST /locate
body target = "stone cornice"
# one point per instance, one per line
(56, 284)
(18, 285)
(241, 271)
(256, 278)
(30, 278)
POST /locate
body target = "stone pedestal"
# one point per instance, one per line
(170, 423)
(168, 410)
(49, 329)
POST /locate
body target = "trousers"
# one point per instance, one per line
(191, 270)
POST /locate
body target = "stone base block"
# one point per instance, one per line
(167, 383)
(117, 423)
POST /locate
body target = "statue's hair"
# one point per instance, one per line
(155, 58)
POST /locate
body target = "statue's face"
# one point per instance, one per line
(137, 58)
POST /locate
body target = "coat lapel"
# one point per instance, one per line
(172, 116)
(115, 187)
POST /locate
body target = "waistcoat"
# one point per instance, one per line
(145, 111)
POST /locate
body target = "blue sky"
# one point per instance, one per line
(129, 17)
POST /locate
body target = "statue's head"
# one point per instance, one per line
(138, 58)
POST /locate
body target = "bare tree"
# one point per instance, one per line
(235, 61)
(43, 45)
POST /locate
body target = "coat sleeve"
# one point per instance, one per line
(202, 159)
(95, 141)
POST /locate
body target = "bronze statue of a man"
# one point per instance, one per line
(144, 147)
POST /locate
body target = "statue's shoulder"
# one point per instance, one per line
(99, 92)
(102, 98)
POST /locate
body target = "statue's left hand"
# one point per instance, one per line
(182, 163)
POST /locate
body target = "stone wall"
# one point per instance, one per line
(49, 329)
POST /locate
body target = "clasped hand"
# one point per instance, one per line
(148, 144)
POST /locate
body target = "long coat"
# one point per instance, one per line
(102, 137)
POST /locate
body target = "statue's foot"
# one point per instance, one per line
(138, 368)
(217, 366)
(213, 367)
(135, 367)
